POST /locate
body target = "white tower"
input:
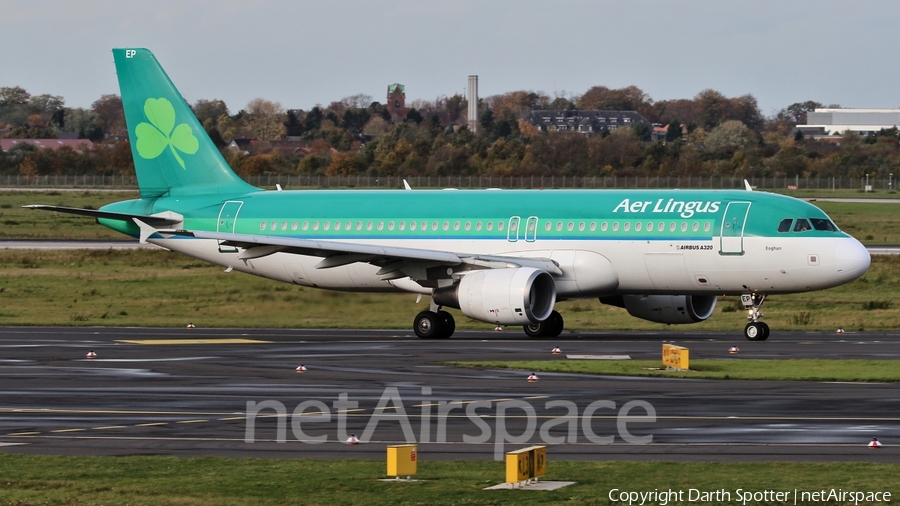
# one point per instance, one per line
(473, 103)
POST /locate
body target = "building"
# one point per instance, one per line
(292, 147)
(832, 122)
(396, 99)
(76, 144)
(585, 122)
(396, 104)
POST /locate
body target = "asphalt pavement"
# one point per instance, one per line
(236, 393)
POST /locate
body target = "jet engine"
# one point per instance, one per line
(518, 296)
(666, 308)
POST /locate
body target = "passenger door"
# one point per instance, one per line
(732, 233)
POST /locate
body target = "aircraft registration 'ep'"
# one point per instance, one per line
(502, 257)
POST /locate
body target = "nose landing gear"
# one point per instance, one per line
(755, 330)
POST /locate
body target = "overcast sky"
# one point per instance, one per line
(302, 53)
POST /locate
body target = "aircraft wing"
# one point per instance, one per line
(395, 262)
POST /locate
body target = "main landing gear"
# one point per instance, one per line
(438, 324)
(434, 324)
(551, 327)
(755, 330)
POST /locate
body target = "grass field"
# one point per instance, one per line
(18, 223)
(158, 288)
(812, 193)
(870, 223)
(737, 369)
(28, 480)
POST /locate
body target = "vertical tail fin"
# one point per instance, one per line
(172, 153)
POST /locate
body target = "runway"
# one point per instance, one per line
(185, 392)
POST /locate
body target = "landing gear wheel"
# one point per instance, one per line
(447, 325)
(765, 331)
(536, 329)
(427, 325)
(756, 331)
(551, 327)
(558, 324)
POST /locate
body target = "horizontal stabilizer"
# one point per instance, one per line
(156, 220)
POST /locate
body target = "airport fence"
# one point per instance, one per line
(508, 182)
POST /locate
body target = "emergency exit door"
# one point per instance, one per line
(227, 222)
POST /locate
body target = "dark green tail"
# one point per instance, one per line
(172, 153)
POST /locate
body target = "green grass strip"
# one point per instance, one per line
(142, 480)
(159, 288)
(806, 369)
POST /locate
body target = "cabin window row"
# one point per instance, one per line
(381, 225)
(479, 225)
(638, 226)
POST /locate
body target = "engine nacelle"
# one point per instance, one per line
(502, 296)
(668, 308)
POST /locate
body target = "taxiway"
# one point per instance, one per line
(186, 392)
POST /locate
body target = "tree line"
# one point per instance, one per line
(709, 134)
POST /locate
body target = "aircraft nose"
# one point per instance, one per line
(851, 258)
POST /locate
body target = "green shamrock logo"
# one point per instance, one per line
(161, 133)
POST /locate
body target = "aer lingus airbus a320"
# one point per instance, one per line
(502, 257)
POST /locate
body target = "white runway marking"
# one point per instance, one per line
(176, 359)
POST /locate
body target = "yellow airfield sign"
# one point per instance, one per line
(675, 357)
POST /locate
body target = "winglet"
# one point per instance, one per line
(747, 186)
(406, 185)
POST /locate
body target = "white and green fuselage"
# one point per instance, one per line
(655, 242)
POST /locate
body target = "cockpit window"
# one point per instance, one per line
(785, 225)
(802, 225)
(823, 225)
